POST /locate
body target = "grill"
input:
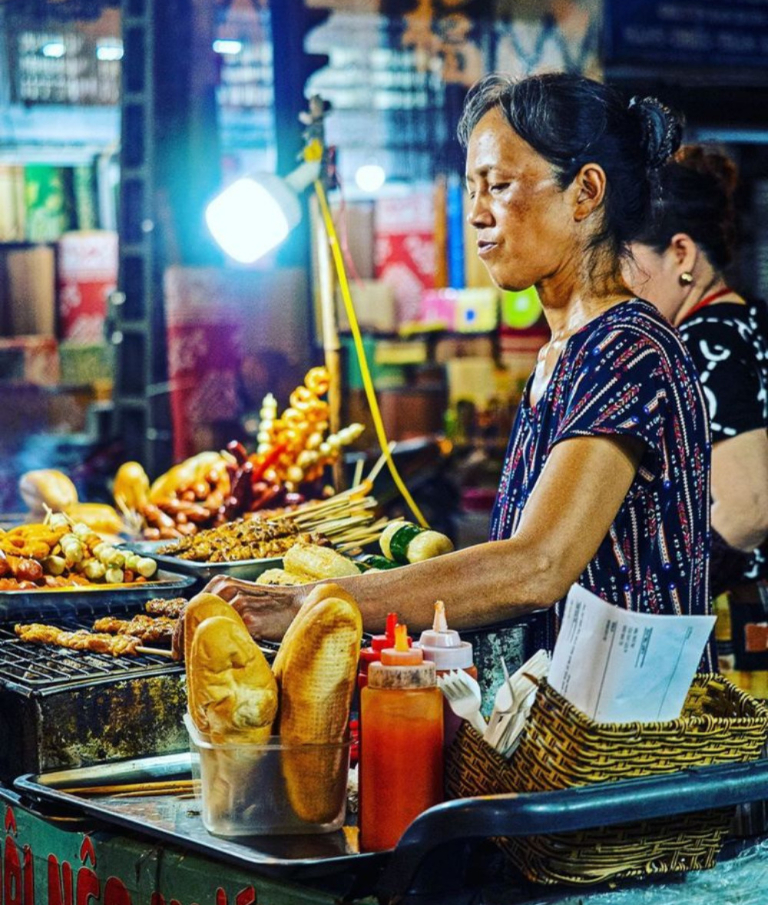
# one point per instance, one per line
(62, 708)
(25, 667)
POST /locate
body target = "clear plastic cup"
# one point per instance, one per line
(274, 788)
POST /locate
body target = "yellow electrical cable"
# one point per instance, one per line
(370, 393)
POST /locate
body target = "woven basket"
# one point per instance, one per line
(562, 748)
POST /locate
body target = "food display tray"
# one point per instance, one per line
(60, 601)
(246, 569)
(177, 819)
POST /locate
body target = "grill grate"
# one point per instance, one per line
(33, 666)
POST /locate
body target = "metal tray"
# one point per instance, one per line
(247, 569)
(177, 820)
(60, 601)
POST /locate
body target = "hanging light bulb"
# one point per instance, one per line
(370, 177)
(255, 213)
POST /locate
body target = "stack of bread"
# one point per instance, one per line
(303, 701)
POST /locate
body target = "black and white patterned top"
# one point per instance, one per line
(729, 345)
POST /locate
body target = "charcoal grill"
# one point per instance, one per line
(64, 708)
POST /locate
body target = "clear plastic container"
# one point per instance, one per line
(253, 790)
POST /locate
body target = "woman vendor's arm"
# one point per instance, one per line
(569, 512)
(740, 489)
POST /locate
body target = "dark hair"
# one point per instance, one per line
(570, 121)
(697, 188)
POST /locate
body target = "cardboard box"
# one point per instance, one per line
(12, 205)
(374, 304)
(472, 380)
(30, 291)
(519, 353)
(438, 308)
(356, 234)
(87, 274)
(411, 412)
(383, 374)
(477, 310)
(29, 359)
(466, 346)
(405, 248)
(86, 363)
(462, 310)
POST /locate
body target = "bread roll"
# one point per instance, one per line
(233, 690)
(200, 607)
(47, 487)
(316, 596)
(312, 562)
(317, 673)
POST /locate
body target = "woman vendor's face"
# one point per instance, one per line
(525, 229)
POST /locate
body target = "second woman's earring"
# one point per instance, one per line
(686, 278)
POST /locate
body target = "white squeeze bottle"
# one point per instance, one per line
(444, 647)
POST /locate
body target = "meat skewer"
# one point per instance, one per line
(160, 607)
(148, 629)
(116, 645)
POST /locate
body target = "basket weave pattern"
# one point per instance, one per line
(562, 748)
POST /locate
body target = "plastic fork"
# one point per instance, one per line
(463, 695)
(514, 694)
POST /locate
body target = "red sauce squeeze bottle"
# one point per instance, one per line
(401, 774)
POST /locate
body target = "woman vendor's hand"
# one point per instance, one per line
(266, 610)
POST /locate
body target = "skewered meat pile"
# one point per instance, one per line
(171, 608)
(243, 539)
(116, 645)
(148, 629)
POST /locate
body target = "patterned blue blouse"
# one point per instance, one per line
(626, 372)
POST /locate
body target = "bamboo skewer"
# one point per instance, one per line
(151, 787)
(155, 652)
(178, 793)
(380, 463)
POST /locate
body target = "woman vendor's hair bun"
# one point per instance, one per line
(660, 129)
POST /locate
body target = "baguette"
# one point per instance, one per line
(200, 607)
(317, 678)
(315, 597)
(234, 692)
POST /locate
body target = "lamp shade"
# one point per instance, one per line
(254, 214)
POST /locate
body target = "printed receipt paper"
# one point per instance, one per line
(621, 667)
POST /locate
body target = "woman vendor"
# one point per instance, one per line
(678, 263)
(606, 477)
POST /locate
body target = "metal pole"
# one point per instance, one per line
(326, 296)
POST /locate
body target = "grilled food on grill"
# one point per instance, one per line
(149, 629)
(172, 608)
(37, 633)
(61, 552)
(243, 539)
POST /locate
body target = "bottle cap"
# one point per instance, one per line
(380, 642)
(443, 646)
(418, 675)
(401, 654)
